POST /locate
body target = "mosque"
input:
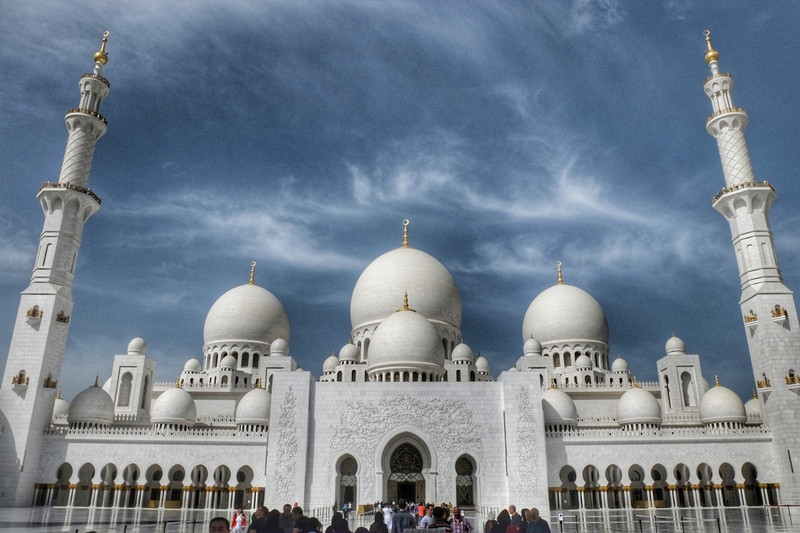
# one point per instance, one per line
(565, 428)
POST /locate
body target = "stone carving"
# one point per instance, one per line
(286, 454)
(526, 468)
(349, 436)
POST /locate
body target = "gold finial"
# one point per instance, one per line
(96, 377)
(716, 380)
(253, 273)
(258, 383)
(553, 383)
(58, 397)
(405, 232)
(100, 56)
(711, 54)
(755, 396)
(178, 382)
(635, 383)
(560, 279)
(405, 303)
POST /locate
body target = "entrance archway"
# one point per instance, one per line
(405, 474)
(348, 481)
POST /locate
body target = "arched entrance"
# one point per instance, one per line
(348, 469)
(405, 474)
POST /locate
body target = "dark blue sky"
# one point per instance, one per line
(301, 134)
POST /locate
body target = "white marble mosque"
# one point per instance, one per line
(245, 425)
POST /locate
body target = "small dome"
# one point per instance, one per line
(720, 404)
(565, 313)
(381, 286)
(246, 313)
(193, 365)
(279, 347)
(138, 346)
(619, 365)
(92, 406)
(254, 407)
(406, 340)
(675, 346)
(584, 362)
(558, 408)
(463, 353)
(532, 347)
(349, 352)
(60, 408)
(228, 361)
(330, 363)
(174, 406)
(752, 408)
(482, 364)
(637, 406)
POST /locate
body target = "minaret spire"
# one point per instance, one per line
(43, 318)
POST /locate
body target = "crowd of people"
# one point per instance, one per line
(395, 518)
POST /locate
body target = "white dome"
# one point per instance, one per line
(174, 406)
(675, 346)
(462, 352)
(482, 364)
(565, 313)
(558, 408)
(92, 406)
(720, 404)
(532, 347)
(330, 363)
(193, 365)
(246, 313)
(619, 365)
(637, 406)
(349, 352)
(60, 409)
(228, 361)
(752, 408)
(137, 346)
(379, 291)
(406, 340)
(254, 407)
(279, 347)
(584, 362)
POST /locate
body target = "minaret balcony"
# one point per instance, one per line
(715, 114)
(34, 315)
(89, 112)
(742, 186)
(779, 314)
(751, 321)
(71, 187)
(96, 77)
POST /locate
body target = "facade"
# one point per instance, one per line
(565, 428)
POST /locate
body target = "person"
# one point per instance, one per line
(439, 521)
(259, 522)
(427, 520)
(516, 519)
(489, 526)
(536, 524)
(460, 524)
(378, 526)
(402, 520)
(334, 519)
(297, 514)
(387, 515)
(219, 524)
(238, 521)
(503, 519)
(346, 510)
(523, 525)
(286, 519)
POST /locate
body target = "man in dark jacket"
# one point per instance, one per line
(402, 520)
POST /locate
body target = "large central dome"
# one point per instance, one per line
(380, 289)
(246, 313)
(565, 313)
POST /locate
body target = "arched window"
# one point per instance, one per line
(465, 482)
(124, 392)
(348, 481)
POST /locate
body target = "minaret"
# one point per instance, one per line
(768, 309)
(33, 367)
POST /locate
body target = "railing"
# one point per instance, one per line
(744, 185)
(89, 112)
(724, 111)
(56, 185)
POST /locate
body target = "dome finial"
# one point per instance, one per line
(405, 232)
(560, 279)
(711, 54)
(405, 303)
(100, 56)
(96, 378)
(635, 383)
(755, 396)
(716, 380)
(58, 397)
(178, 382)
(253, 273)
